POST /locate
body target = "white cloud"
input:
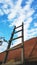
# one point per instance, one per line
(23, 15)
(1, 1)
(18, 41)
(14, 10)
(6, 4)
(1, 12)
(32, 33)
(3, 47)
(26, 26)
(29, 2)
(35, 24)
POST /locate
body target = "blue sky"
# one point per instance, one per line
(14, 12)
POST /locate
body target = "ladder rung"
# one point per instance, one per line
(21, 46)
(17, 38)
(18, 31)
(17, 47)
(18, 26)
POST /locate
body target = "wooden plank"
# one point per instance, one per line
(17, 31)
(18, 26)
(17, 38)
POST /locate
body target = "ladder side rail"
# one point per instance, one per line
(9, 43)
(11, 39)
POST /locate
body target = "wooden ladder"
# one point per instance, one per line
(11, 39)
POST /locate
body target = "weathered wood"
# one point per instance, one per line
(9, 46)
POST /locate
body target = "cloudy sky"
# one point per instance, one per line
(14, 12)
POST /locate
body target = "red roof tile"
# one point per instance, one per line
(30, 51)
